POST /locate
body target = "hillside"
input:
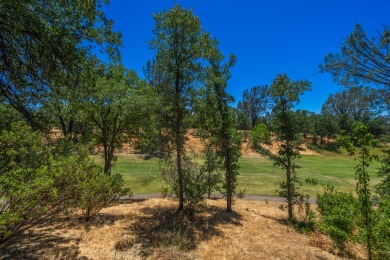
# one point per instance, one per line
(148, 229)
(194, 145)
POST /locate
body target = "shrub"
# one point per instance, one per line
(97, 190)
(34, 183)
(338, 216)
(195, 181)
(381, 230)
(259, 134)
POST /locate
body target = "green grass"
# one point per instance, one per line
(257, 175)
(142, 176)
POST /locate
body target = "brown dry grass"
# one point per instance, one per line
(193, 145)
(151, 229)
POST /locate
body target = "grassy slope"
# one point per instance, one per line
(257, 175)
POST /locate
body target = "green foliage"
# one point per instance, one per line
(31, 181)
(182, 47)
(362, 61)
(259, 134)
(352, 105)
(195, 181)
(381, 229)
(324, 125)
(45, 46)
(360, 137)
(113, 106)
(305, 121)
(95, 189)
(8, 115)
(285, 94)
(36, 183)
(219, 121)
(338, 216)
(366, 217)
(383, 188)
(210, 168)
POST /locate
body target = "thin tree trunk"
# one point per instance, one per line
(209, 180)
(367, 212)
(107, 161)
(289, 188)
(227, 163)
(179, 173)
(228, 184)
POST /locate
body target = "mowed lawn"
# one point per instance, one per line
(257, 175)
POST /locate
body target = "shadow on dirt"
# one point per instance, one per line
(161, 227)
(40, 245)
(47, 241)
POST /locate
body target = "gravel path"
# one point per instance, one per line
(218, 196)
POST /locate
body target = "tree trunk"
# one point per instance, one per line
(179, 170)
(107, 159)
(229, 199)
(289, 187)
(209, 179)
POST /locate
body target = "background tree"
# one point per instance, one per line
(304, 120)
(180, 44)
(362, 61)
(243, 122)
(285, 94)
(324, 125)
(113, 106)
(351, 105)
(255, 103)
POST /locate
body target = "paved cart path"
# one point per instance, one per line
(218, 196)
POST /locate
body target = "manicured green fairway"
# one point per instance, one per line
(257, 175)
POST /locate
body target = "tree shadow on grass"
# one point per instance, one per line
(164, 227)
(33, 244)
(48, 239)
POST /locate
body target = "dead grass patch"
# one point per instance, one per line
(152, 229)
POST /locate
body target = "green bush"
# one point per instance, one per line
(381, 230)
(338, 216)
(95, 189)
(36, 183)
(195, 181)
(259, 134)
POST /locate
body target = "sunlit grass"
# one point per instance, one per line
(257, 175)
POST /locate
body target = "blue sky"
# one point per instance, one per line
(268, 37)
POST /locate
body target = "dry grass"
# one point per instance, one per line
(151, 229)
(195, 146)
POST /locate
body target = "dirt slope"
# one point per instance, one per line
(195, 146)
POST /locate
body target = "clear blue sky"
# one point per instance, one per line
(267, 36)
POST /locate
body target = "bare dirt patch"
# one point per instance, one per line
(152, 229)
